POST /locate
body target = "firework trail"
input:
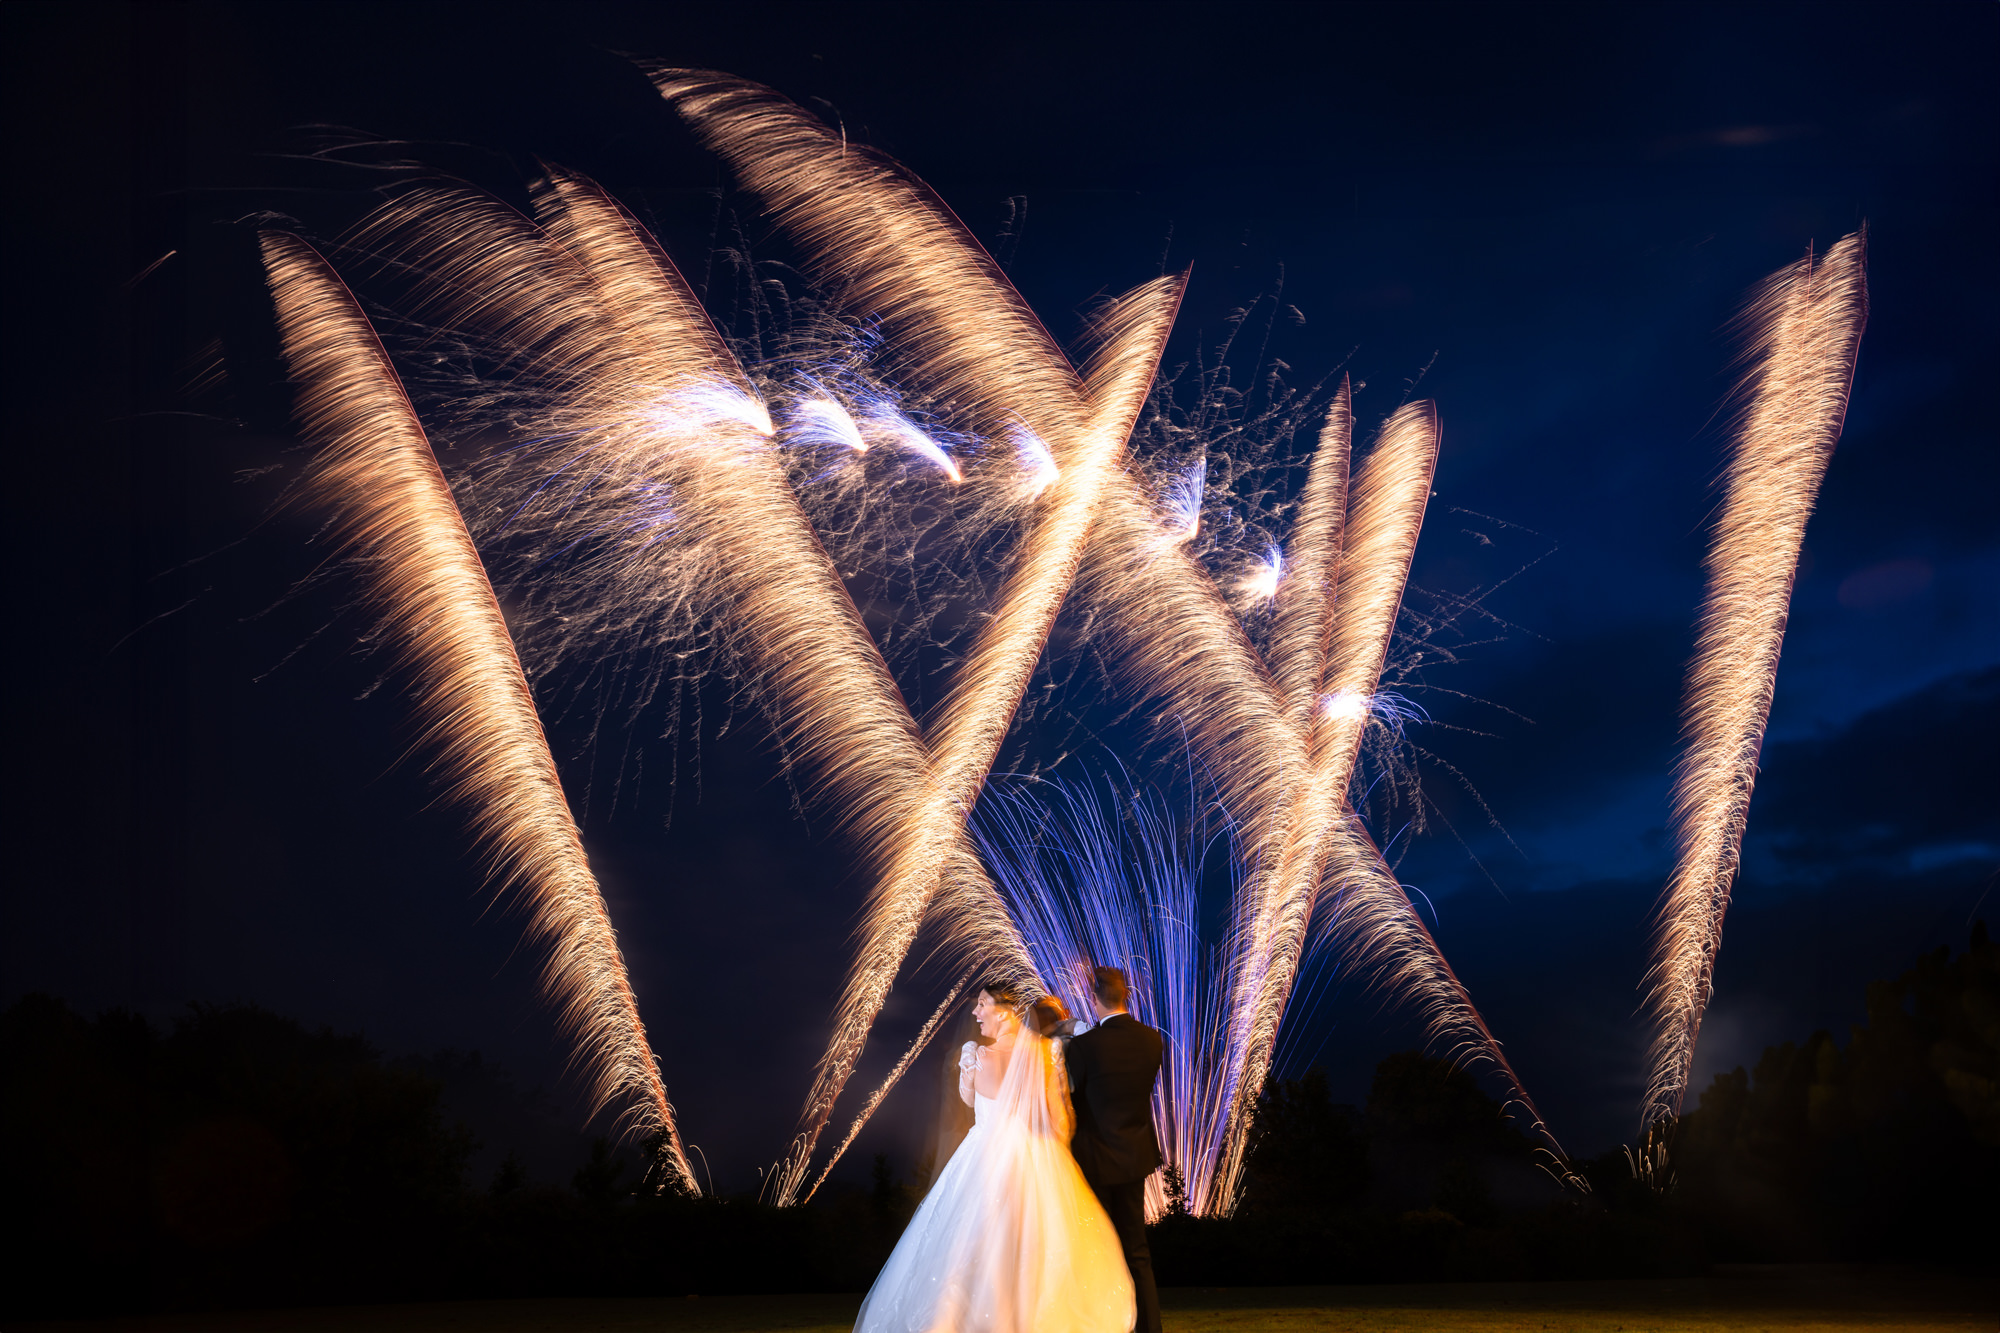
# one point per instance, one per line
(1383, 934)
(898, 259)
(1802, 330)
(987, 690)
(1176, 642)
(1362, 593)
(1305, 596)
(831, 696)
(874, 1102)
(394, 515)
(1299, 642)
(893, 254)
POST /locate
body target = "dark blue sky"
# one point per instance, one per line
(1562, 206)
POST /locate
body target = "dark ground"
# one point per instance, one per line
(1739, 1300)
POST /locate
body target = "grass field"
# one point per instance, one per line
(1741, 1300)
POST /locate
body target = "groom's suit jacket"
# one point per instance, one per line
(1111, 1072)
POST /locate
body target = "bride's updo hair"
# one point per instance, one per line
(1003, 992)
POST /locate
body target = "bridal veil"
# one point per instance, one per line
(1010, 1239)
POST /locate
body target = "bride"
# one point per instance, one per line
(1010, 1239)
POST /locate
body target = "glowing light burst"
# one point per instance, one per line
(822, 421)
(1261, 584)
(1180, 505)
(651, 524)
(897, 431)
(1802, 331)
(1344, 709)
(710, 403)
(1037, 463)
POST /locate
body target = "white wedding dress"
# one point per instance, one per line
(1010, 1239)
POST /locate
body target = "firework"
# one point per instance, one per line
(1173, 638)
(1385, 937)
(963, 336)
(648, 516)
(902, 1067)
(973, 922)
(775, 592)
(837, 704)
(1305, 597)
(1802, 330)
(663, 410)
(1362, 591)
(895, 255)
(393, 516)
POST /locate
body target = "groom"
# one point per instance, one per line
(1111, 1073)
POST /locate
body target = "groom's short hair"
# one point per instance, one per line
(1110, 986)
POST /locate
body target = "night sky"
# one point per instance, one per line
(1556, 210)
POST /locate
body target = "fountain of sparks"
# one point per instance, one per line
(1109, 876)
(665, 507)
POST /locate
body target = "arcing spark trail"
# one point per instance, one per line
(393, 515)
(1802, 331)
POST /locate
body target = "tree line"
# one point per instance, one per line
(239, 1158)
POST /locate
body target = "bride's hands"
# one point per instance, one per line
(968, 1068)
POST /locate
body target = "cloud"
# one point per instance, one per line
(1907, 788)
(1885, 584)
(1573, 719)
(1735, 136)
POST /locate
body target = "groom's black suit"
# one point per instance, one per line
(1112, 1068)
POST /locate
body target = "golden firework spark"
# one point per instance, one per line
(1802, 331)
(902, 1067)
(1305, 595)
(393, 516)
